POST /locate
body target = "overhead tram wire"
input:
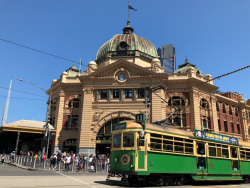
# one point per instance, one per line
(23, 92)
(21, 98)
(223, 75)
(40, 51)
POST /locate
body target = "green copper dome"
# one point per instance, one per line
(183, 68)
(125, 45)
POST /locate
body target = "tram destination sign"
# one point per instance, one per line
(215, 137)
(119, 126)
(140, 118)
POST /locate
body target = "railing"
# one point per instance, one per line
(33, 163)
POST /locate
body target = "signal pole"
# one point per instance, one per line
(47, 131)
(147, 101)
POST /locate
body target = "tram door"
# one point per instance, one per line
(141, 152)
(235, 160)
(201, 158)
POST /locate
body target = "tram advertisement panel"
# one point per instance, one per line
(215, 137)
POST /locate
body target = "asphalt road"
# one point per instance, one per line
(13, 177)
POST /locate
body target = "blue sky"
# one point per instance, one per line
(214, 35)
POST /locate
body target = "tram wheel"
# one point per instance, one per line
(247, 179)
(180, 180)
(160, 182)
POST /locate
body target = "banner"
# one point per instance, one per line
(215, 137)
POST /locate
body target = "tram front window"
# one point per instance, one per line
(128, 139)
(117, 141)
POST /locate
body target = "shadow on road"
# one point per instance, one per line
(212, 183)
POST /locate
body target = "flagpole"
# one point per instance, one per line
(80, 66)
(128, 10)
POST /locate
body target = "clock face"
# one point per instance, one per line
(122, 77)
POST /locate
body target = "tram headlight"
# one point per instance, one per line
(116, 160)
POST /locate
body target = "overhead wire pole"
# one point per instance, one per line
(46, 134)
(5, 112)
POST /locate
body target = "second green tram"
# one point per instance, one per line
(165, 156)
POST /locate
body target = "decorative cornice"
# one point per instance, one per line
(88, 90)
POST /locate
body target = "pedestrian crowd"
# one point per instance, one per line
(67, 160)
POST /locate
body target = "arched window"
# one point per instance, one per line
(74, 103)
(217, 106)
(72, 121)
(178, 101)
(236, 112)
(177, 121)
(204, 103)
(224, 108)
(204, 123)
(230, 110)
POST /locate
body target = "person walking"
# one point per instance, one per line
(3, 157)
(39, 154)
(12, 155)
(54, 161)
(68, 161)
(64, 162)
(94, 163)
(44, 157)
(90, 160)
(59, 158)
(80, 164)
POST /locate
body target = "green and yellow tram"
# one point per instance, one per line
(166, 155)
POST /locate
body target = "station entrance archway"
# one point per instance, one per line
(103, 138)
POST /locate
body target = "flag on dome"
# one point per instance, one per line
(129, 7)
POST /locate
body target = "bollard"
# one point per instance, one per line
(72, 166)
(44, 165)
(107, 167)
(59, 166)
(34, 163)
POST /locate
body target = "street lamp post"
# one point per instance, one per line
(46, 134)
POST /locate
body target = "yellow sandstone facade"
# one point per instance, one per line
(113, 88)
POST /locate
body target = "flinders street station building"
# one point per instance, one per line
(114, 86)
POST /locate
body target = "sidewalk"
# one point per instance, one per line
(31, 163)
(56, 170)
